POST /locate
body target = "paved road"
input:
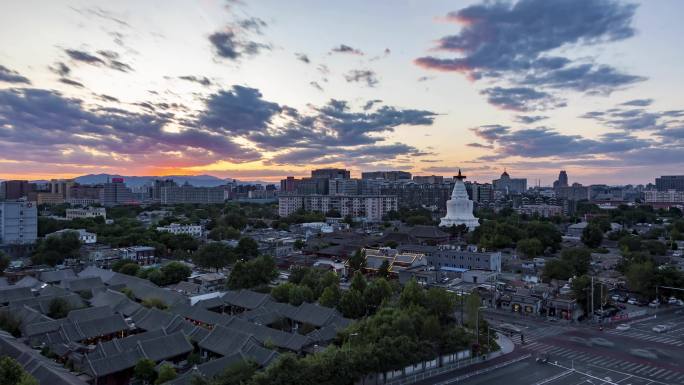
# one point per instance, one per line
(638, 356)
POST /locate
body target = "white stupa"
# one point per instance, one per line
(459, 207)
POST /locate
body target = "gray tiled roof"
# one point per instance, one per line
(13, 293)
(157, 349)
(246, 299)
(89, 313)
(81, 284)
(42, 303)
(197, 313)
(56, 275)
(46, 371)
(264, 334)
(224, 341)
(28, 281)
(118, 301)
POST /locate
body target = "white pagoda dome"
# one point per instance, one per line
(459, 207)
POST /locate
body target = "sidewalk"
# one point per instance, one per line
(504, 343)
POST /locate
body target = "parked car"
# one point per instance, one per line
(616, 298)
(632, 301)
(654, 303)
(672, 301)
(623, 327)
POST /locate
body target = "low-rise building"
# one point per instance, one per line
(175, 228)
(88, 212)
(459, 257)
(542, 210)
(142, 255)
(83, 236)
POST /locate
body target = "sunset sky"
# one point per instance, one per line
(264, 89)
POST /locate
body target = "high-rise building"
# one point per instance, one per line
(289, 184)
(670, 182)
(62, 187)
(14, 189)
(331, 173)
(431, 179)
(84, 195)
(341, 186)
(157, 186)
(480, 192)
(18, 222)
(510, 185)
(191, 194)
(387, 175)
(562, 180)
(308, 186)
(116, 193)
(370, 207)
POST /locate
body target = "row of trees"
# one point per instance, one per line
(410, 327)
(169, 274)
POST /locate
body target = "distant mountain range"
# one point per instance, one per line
(136, 181)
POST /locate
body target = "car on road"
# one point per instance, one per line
(632, 301)
(673, 301)
(661, 328)
(654, 303)
(623, 327)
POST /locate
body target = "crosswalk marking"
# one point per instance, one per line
(639, 369)
(668, 340)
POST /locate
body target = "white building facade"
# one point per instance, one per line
(370, 207)
(88, 212)
(175, 228)
(18, 223)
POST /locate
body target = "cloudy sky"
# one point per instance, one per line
(264, 89)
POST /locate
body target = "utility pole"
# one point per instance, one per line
(592, 297)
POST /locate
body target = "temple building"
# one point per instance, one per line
(459, 207)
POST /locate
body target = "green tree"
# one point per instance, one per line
(330, 296)
(440, 303)
(247, 248)
(351, 304)
(357, 261)
(556, 269)
(281, 293)
(384, 269)
(578, 258)
(155, 276)
(214, 255)
(144, 371)
(130, 268)
(375, 293)
(239, 373)
(412, 294)
(154, 302)
(10, 323)
(58, 308)
(4, 262)
(358, 282)
(52, 250)
(530, 247)
(472, 308)
(641, 278)
(12, 373)
(175, 272)
(299, 244)
(166, 373)
(300, 294)
(258, 271)
(592, 236)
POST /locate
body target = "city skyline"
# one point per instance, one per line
(242, 90)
